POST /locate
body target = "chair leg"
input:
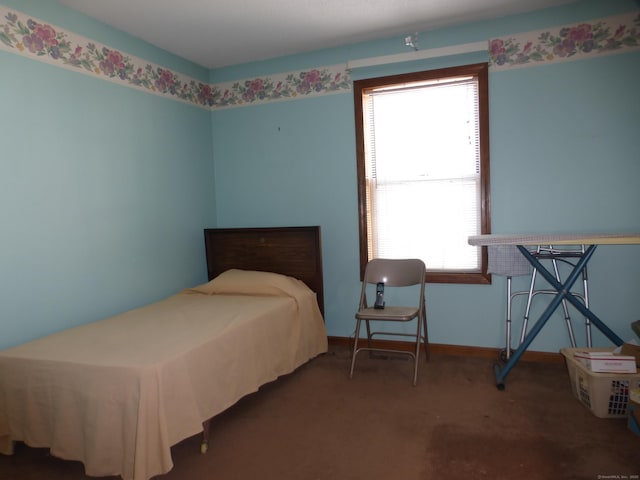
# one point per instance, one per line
(416, 357)
(368, 328)
(355, 348)
(421, 336)
(425, 334)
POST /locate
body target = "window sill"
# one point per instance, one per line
(464, 278)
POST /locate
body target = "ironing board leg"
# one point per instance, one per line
(573, 299)
(501, 373)
(564, 292)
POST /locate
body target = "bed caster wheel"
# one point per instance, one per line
(204, 447)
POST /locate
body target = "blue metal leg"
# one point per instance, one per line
(575, 301)
(501, 373)
(564, 291)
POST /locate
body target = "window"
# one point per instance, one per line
(423, 170)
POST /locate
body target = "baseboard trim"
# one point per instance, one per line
(455, 350)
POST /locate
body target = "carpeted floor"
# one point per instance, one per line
(317, 424)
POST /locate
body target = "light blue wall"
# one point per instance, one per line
(293, 163)
(564, 157)
(104, 190)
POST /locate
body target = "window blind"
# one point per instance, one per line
(423, 172)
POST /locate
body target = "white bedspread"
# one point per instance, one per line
(118, 393)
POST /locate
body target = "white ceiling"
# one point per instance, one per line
(217, 33)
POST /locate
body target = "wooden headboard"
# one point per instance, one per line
(292, 251)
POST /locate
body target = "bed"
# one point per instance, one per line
(116, 394)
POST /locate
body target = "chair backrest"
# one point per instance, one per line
(394, 273)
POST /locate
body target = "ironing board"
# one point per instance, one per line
(563, 289)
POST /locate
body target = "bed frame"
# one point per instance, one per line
(144, 449)
(292, 251)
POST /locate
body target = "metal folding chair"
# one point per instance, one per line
(383, 273)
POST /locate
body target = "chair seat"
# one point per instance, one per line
(393, 313)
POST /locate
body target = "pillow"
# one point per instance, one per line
(251, 282)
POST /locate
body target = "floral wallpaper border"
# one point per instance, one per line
(605, 36)
(36, 39)
(28, 36)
